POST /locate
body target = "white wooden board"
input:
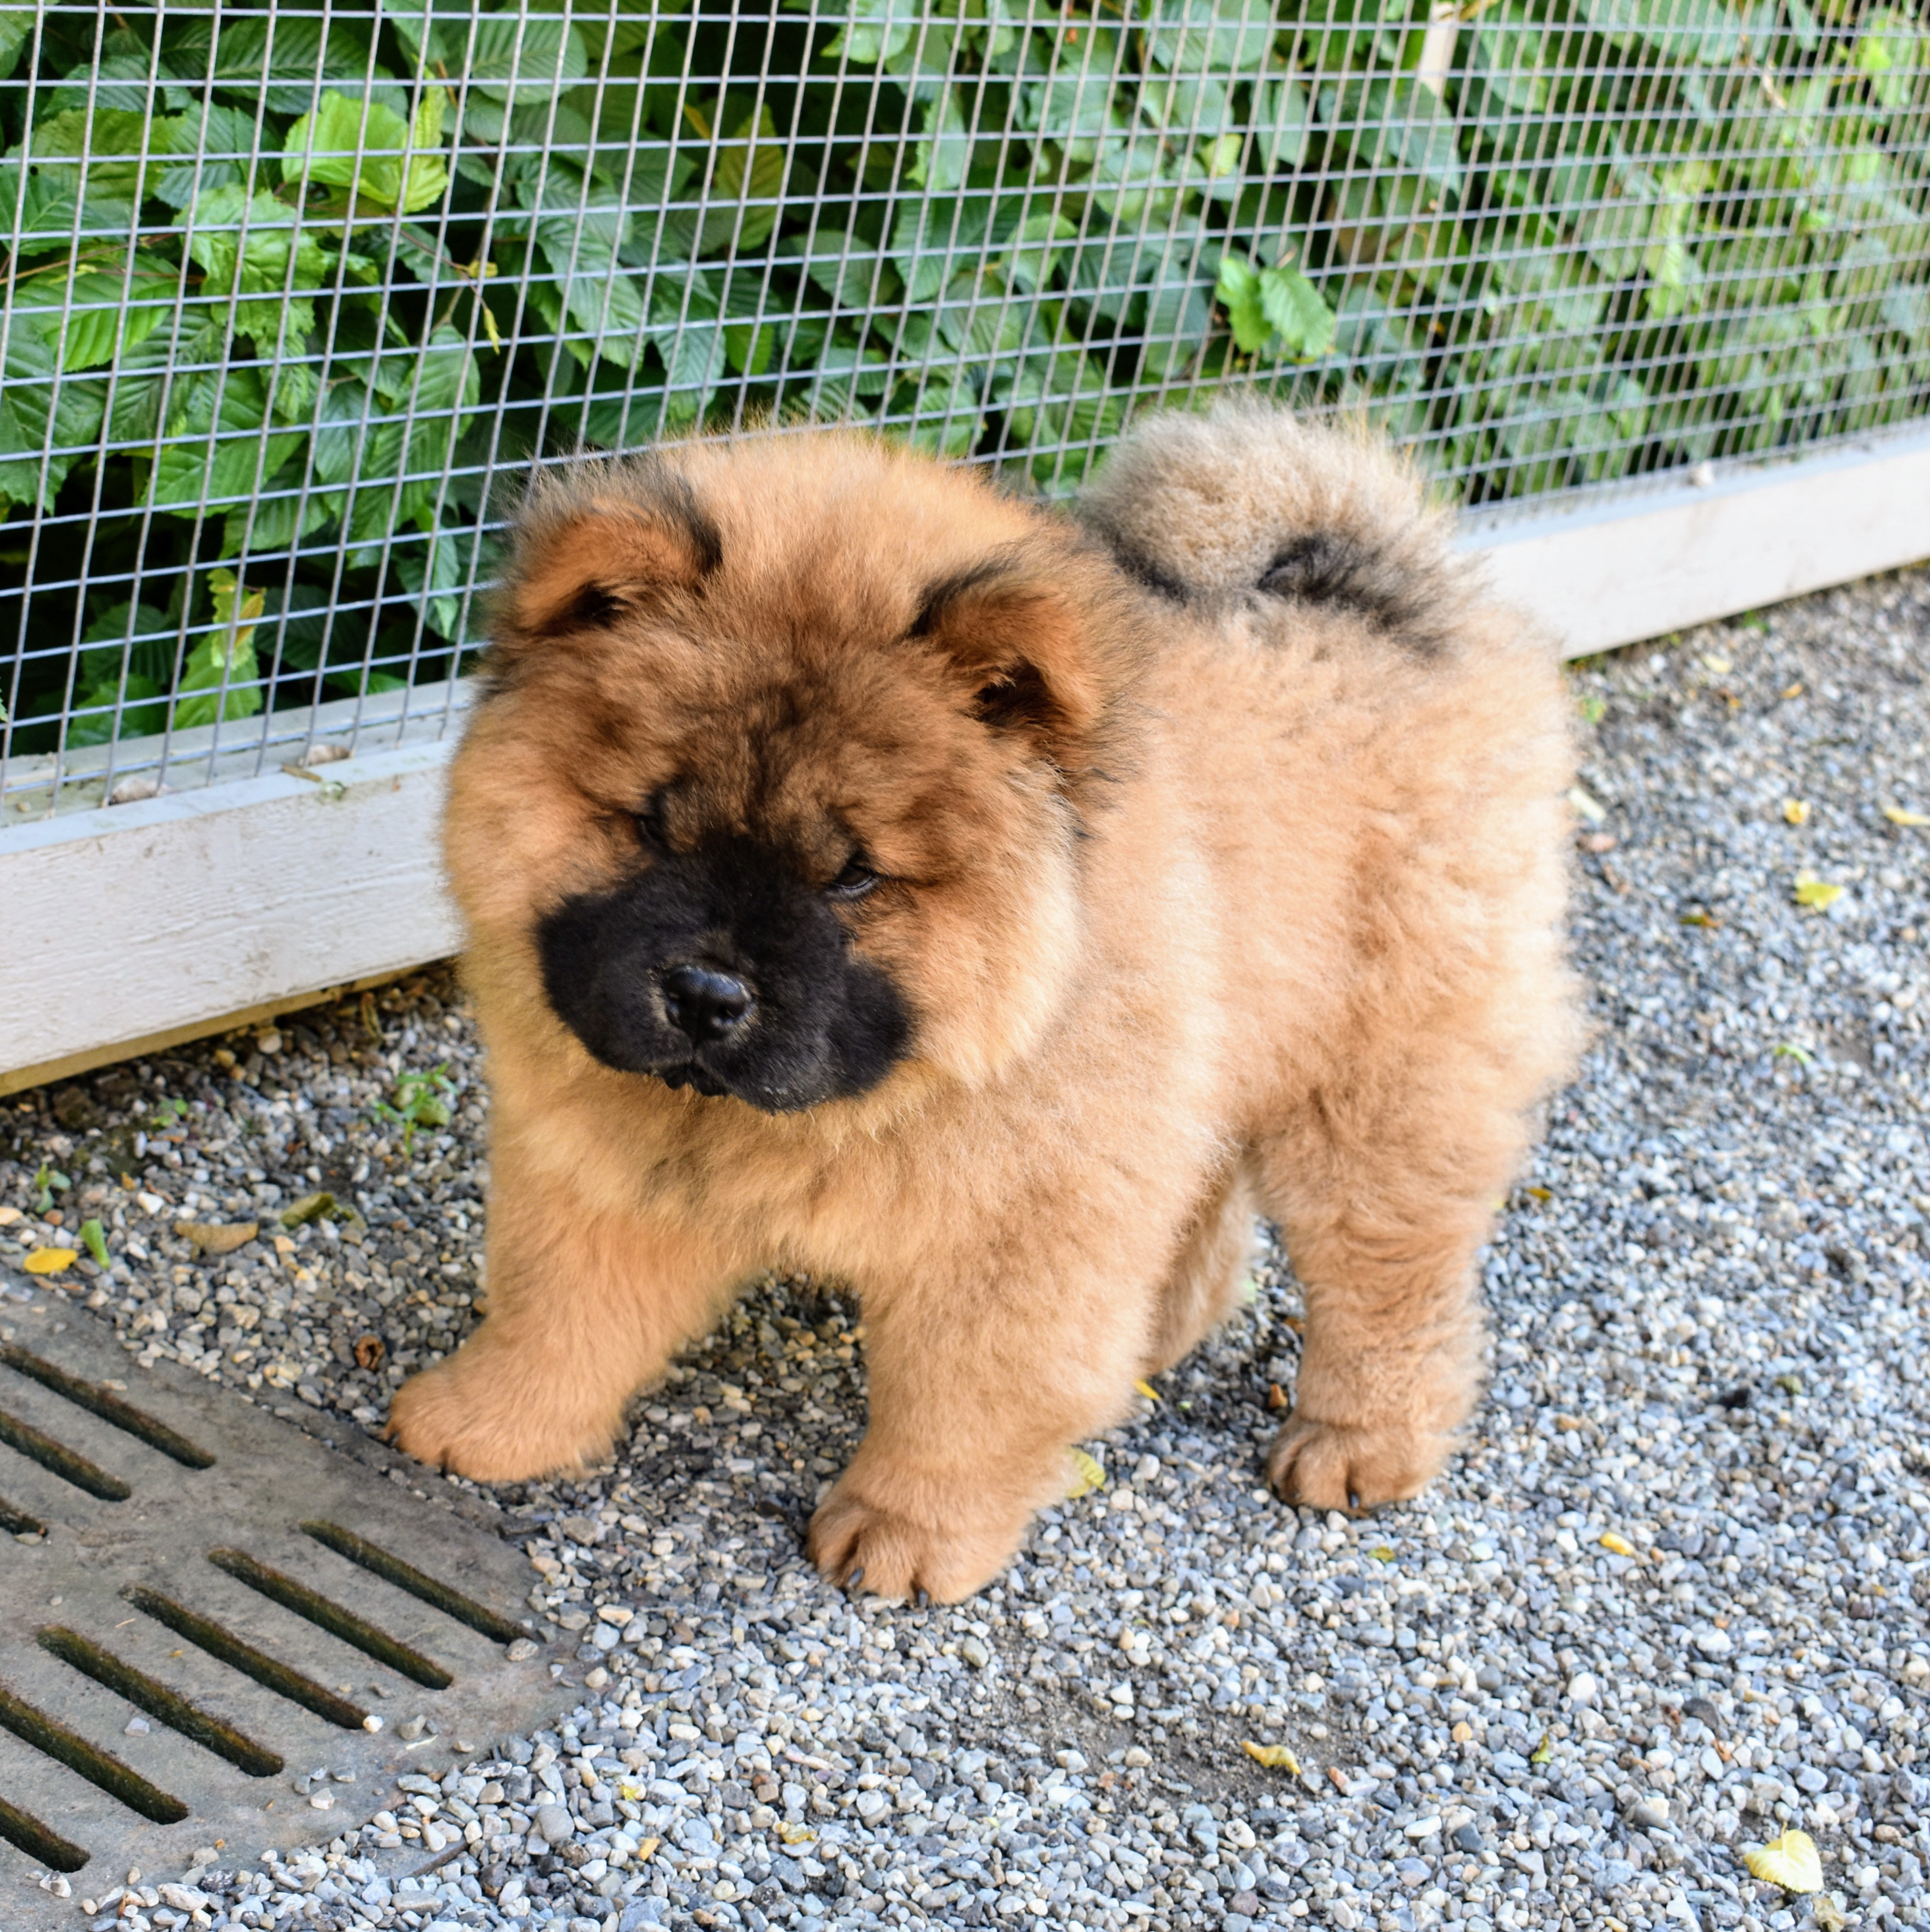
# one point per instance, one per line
(1617, 570)
(129, 926)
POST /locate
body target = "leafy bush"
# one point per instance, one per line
(291, 291)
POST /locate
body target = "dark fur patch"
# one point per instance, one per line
(826, 1023)
(1327, 568)
(596, 606)
(679, 499)
(1139, 567)
(949, 589)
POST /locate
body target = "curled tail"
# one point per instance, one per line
(1248, 497)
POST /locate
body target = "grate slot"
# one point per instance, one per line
(67, 1464)
(17, 1522)
(332, 1617)
(23, 1829)
(159, 1702)
(34, 1726)
(268, 1672)
(99, 1400)
(441, 1596)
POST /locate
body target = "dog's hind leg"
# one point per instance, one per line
(1216, 1256)
(1385, 1190)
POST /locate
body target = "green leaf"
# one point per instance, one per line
(111, 153)
(273, 61)
(216, 147)
(1295, 312)
(436, 570)
(855, 273)
(603, 300)
(382, 162)
(16, 32)
(1515, 60)
(1239, 290)
(1886, 52)
(874, 31)
(1398, 126)
(219, 675)
(842, 371)
(252, 245)
(1197, 36)
(523, 57)
(217, 449)
(47, 423)
(1073, 102)
(944, 147)
(174, 353)
(128, 83)
(746, 183)
(932, 238)
(1283, 115)
(1697, 30)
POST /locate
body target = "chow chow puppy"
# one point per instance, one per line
(869, 873)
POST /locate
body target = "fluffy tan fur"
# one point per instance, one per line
(1254, 903)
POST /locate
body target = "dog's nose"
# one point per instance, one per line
(704, 1004)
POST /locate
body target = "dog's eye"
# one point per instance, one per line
(649, 823)
(854, 882)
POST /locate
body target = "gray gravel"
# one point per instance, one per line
(1672, 1599)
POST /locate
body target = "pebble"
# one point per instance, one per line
(1709, 1294)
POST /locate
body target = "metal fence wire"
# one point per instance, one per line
(291, 295)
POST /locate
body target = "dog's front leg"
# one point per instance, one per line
(586, 1305)
(978, 1390)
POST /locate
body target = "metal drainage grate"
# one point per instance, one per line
(260, 1608)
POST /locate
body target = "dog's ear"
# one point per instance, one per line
(588, 555)
(1021, 649)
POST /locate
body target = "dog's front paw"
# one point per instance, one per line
(858, 1544)
(1326, 1465)
(469, 1417)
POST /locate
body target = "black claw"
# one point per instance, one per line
(856, 1577)
(923, 1599)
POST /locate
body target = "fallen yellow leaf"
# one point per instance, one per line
(217, 1237)
(1698, 919)
(1584, 806)
(1720, 666)
(1897, 815)
(308, 1208)
(1791, 1861)
(645, 1848)
(795, 1834)
(1619, 1546)
(1792, 691)
(1275, 1757)
(1796, 811)
(1147, 1390)
(1539, 1193)
(1089, 1474)
(1381, 1553)
(1814, 892)
(50, 1260)
(1545, 1751)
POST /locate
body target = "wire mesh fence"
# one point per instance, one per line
(293, 295)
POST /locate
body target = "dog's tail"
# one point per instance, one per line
(1248, 497)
